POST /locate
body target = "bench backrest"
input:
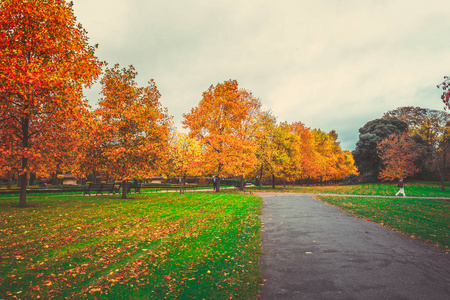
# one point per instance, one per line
(95, 185)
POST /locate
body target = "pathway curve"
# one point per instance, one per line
(312, 250)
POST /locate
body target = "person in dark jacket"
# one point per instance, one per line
(400, 186)
(214, 180)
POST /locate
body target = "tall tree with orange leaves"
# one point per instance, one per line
(185, 158)
(45, 62)
(331, 163)
(265, 148)
(137, 126)
(296, 154)
(223, 122)
(91, 156)
(398, 153)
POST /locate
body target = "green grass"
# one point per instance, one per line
(424, 219)
(416, 189)
(154, 246)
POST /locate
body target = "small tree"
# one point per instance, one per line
(185, 157)
(398, 153)
(137, 126)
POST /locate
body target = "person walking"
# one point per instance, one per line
(400, 186)
(214, 180)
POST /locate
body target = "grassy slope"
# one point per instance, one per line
(152, 246)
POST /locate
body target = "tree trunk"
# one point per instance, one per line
(440, 170)
(442, 175)
(260, 176)
(241, 184)
(23, 177)
(95, 176)
(23, 190)
(9, 180)
(181, 183)
(218, 178)
(124, 189)
(273, 181)
(218, 184)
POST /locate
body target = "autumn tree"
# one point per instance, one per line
(45, 62)
(265, 151)
(331, 162)
(398, 153)
(223, 123)
(9, 162)
(365, 154)
(282, 150)
(185, 158)
(136, 125)
(432, 126)
(290, 161)
(305, 154)
(445, 86)
(91, 156)
(324, 156)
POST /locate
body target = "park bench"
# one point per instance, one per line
(136, 186)
(99, 188)
(237, 186)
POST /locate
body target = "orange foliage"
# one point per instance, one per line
(332, 163)
(45, 61)
(223, 122)
(301, 153)
(133, 125)
(398, 153)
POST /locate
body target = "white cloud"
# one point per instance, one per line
(330, 64)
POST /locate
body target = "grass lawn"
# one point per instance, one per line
(419, 189)
(153, 246)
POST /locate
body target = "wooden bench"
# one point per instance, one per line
(111, 188)
(237, 186)
(136, 186)
(99, 188)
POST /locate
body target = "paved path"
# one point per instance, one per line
(312, 250)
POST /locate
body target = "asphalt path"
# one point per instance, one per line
(312, 250)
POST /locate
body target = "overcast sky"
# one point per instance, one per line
(331, 64)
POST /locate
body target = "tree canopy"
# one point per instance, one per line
(46, 61)
(372, 133)
(136, 125)
(223, 122)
